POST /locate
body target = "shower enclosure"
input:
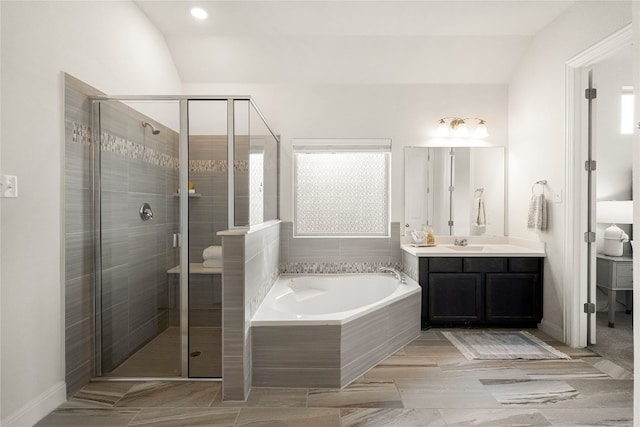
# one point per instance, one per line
(169, 174)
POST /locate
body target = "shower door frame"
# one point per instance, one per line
(183, 182)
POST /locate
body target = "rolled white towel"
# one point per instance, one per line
(212, 263)
(212, 252)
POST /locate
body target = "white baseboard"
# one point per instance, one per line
(554, 331)
(39, 407)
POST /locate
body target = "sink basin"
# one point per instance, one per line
(468, 248)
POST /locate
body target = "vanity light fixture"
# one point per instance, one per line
(199, 13)
(457, 126)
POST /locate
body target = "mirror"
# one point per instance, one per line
(457, 190)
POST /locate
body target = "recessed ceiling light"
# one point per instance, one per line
(198, 13)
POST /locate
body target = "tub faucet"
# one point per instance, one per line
(461, 242)
(394, 272)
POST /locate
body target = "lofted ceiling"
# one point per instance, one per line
(377, 42)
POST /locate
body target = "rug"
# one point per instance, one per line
(485, 345)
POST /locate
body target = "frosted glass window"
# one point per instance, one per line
(626, 111)
(341, 193)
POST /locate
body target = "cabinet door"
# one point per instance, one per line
(455, 298)
(513, 298)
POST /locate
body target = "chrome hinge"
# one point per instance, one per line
(589, 307)
(590, 93)
(451, 188)
(590, 165)
(177, 240)
(590, 236)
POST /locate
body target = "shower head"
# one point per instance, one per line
(153, 130)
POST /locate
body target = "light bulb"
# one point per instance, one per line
(198, 13)
(443, 129)
(481, 130)
(461, 129)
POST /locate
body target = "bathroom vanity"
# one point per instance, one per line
(479, 284)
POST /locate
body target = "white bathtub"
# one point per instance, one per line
(327, 330)
(329, 299)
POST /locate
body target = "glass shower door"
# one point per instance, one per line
(208, 214)
(138, 254)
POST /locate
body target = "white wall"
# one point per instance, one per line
(408, 114)
(113, 47)
(537, 130)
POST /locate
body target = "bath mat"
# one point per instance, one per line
(485, 345)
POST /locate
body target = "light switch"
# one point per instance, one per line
(9, 186)
(557, 196)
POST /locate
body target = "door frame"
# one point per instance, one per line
(575, 268)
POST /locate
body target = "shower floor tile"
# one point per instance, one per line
(160, 357)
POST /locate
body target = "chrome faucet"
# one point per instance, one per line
(394, 272)
(461, 242)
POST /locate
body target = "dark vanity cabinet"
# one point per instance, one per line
(481, 291)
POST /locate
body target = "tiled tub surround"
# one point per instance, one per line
(338, 255)
(250, 267)
(333, 349)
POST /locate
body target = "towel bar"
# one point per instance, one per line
(542, 183)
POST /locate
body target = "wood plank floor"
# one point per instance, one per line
(427, 383)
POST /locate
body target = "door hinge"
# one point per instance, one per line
(590, 93)
(451, 188)
(450, 223)
(590, 236)
(590, 165)
(589, 307)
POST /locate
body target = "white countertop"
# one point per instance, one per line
(503, 247)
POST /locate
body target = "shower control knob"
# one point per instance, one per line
(145, 212)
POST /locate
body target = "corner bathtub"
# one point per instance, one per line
(327, 330)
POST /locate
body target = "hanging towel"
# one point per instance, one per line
(212, 252)
(479, 219)
(537, 218)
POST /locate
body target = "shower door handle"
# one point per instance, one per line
(177, 241)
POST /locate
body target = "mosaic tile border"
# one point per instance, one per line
(81, 134)
(335, 268)
(207, 165)
(124, 147)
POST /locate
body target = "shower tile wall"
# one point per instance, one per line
(338, 254)
(208, 214)
(137, 167)
(136, 256)
(79, 323)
